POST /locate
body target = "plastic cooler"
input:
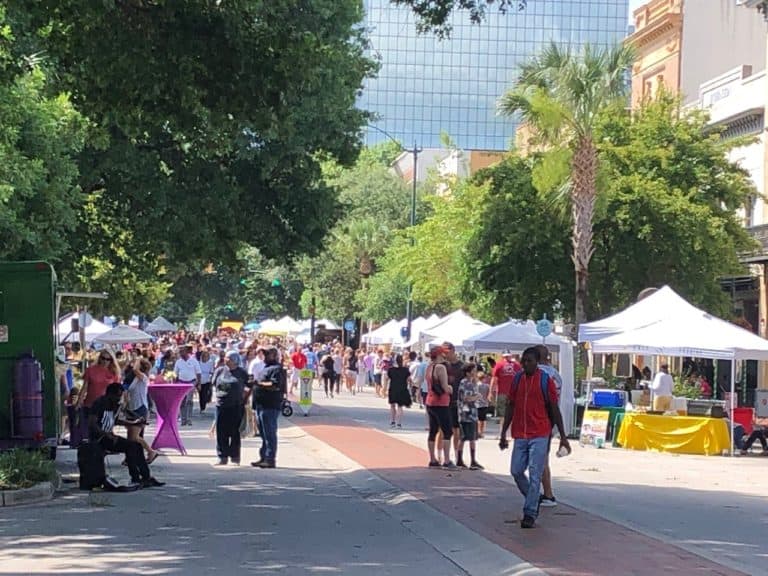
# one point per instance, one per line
(608, 398)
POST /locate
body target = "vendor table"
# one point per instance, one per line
(167, 399)
(678, 434)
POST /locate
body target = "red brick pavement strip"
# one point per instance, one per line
(566, 541)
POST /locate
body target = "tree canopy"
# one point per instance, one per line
(208, 121)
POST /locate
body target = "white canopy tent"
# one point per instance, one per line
(419, 325)
(663, 303)
(123, 334)
(92, 328)
(283, 327)
(160, 324)
(306, 324)
(384, 334)
(455, 328)
(683, 330)
(516, 335)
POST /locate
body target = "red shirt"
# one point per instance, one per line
(529, 416)
(298, 360)
(98, 378)
(433, 399)
(505, 371)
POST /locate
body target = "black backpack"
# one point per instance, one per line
(90, 463)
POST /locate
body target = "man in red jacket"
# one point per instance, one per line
(531, 410)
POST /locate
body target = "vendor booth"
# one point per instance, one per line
(518, 335)
(667, 325)
(454, 328)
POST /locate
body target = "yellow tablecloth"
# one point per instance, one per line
(679, 434)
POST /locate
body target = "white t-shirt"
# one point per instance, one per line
(187, 370)
(255, 368)
(206, 370)
(662, 384)
(137, 393)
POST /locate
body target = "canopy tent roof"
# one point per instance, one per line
(286, 325)
(419, 325)
(455, 328)
(514, 335)
(92, 328)
(306, 324)
(160, 324)
(668, 325)
(123, 334)
(664, 303)
(699, 336)
(517, 335)
(384, 334)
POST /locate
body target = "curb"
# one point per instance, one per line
(41, 492)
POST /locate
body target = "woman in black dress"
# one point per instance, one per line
(399, 395)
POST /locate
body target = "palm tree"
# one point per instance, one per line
(560, 96)
(366, 238)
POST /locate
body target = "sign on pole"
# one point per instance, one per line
(305, 390)
(544, 327)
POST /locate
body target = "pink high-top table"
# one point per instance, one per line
(167, 398)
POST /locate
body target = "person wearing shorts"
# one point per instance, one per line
(484, 389)
(438, 409)
(468, 416)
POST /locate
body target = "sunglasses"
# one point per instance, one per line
(105, 358)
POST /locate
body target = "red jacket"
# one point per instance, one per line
(529, 411)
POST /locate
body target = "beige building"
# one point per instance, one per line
(657, 41)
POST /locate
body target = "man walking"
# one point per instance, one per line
(455, 369)
(187, 370)
(547, 499)
(268, 394)
(531, 410)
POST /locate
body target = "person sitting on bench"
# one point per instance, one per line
(101, 422)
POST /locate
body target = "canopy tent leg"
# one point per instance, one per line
(733, 395)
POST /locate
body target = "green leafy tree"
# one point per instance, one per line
(561, 96)
(521, 250)
(671, 213)
(210, 118)
(434, 15)
(41, 136)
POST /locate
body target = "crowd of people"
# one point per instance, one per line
(248, 380)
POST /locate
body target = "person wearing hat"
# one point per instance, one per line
(229, 383)
(268, 394)
(661, 387)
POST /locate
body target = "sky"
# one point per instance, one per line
(634, 5)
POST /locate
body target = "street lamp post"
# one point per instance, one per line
(415, 151)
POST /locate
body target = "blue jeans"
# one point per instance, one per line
(268, 427)
(530, 455)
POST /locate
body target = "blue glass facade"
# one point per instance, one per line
(427, 86)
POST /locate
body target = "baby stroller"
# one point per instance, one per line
(286, 408)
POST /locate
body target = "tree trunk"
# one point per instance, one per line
(583, 197)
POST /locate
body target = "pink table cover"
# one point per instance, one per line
(167, 398)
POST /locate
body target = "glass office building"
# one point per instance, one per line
(427, 86)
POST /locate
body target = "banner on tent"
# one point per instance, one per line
(594, 428)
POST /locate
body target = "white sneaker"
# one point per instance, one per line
(545, 502)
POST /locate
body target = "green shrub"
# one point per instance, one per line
(24, 468)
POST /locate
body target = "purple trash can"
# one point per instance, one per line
(28, 398)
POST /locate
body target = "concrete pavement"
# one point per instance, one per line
(317, 513)
(713, 507)
(353, 497)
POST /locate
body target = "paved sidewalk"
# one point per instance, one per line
(309, 516)
(567, 542)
